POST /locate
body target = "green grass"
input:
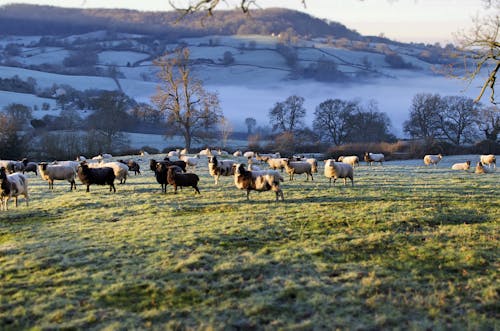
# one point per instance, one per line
(408, 247)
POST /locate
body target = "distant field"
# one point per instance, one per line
(408, 247)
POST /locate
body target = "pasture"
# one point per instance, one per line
(408, 247)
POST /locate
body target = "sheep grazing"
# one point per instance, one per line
(267, 180)
(51, 172)
(176, 179)
(488, 160)
(277, 163)
(461, 166)
(374, 157)
(298, 167)
(30, 166)
(480, 169)
(12, 185)
(338, 170)
(132, 166)
(218, 168)
(353, 160)
(432, 159)
(98, 176)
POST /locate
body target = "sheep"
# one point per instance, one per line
(106, 156)
(488, 160)
(353, 160)
(17, 166)
(81, 158)
(179, 163)
(57, 172)
(30, 166)
(432, 159)
(314, 164)
(191, 161)
(12, 185)
(8, 165)
(161, 170)
(338, 170)
(175, 153)
(277, 163)
(120, 170)
(175, 179)
(184, 151)
(248, 154)
(222, 152)
(374, 157)
(480, 169)
(72, 164)
(143, 153)
(253, 167)
(132, 166)
(298, 167)
(218, 168)
(204, 152)
(98, 176)
(238, 153)
(258, 180)
(461, 166)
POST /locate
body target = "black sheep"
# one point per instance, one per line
(182, 179)
(98, 176)
(161, 170)
(132, 166)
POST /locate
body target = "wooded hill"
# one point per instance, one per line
(21, 19)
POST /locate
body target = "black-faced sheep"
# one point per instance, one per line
(266, 180)
(98, 176)
(374, 157)
(12, 185)
(338, 170)
(57, 172)
(298, 167)
(30, 166)
(480, 169)
(432, 159)
(161, 172)
(218, 168)
(180, 179)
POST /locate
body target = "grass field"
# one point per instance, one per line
(408, 247)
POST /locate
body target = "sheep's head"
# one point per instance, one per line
(43, 165)
(238, 168)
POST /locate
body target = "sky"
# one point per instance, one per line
(427, 21)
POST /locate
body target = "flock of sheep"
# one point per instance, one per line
(172, 170)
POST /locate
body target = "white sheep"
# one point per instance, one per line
(298, 167)
(248, 154)
(374, 157)
(432, 159)
(338, 170)
(266, 180)
(218, 168)
(12, 186)
(204, 152)
(238, 153)
(191, 161)
(51, 172)
(173, 153)
(488, 160)
(278, 163)
(72, 164)
(314, 164)
(8, 165)
(353, 160)
(461, 166)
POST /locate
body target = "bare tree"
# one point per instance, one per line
(424, 120)
(489, 122)
(332, 119)
(210, 5)
(187, 107)
(20, 114)
(482, 48)
(287, 116)
(458, 118)
(226, 129)
(250, 123)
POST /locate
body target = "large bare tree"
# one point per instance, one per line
(188, 108)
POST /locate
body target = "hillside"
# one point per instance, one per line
(292, 53)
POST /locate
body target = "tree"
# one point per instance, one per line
(210, 5)
(250, 123)
(9, 137)
(482, 48)
(187, 107)
(458, 118)
(288, 116)
(226, 129)
(370, 125)
(332, 120)
(110, 118)
(424, 120)
(489, 122)
(19, 114)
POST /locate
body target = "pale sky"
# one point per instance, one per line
(402, 20)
